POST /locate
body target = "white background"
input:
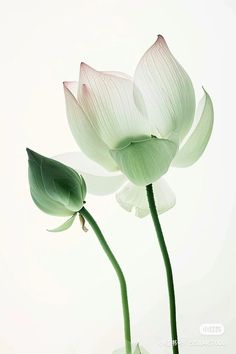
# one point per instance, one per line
(58, 293)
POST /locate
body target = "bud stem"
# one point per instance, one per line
(119, 273)
(169, 274)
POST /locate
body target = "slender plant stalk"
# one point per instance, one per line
(169, 274)
(119, 273)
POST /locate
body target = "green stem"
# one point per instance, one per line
(119, 273)
(169, 274)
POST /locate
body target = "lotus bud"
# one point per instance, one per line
(55, 188)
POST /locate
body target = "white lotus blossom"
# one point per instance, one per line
(136, 128)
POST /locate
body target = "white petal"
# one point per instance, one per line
(109, 102)
(167, 90)
(132, 197)
(83, 132)
(98, 180)
(195, 145)
(138, 98)
(118, 74)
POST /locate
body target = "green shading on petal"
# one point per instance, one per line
(63, 184)
(145, 161)
(37, 190)
(55, 188)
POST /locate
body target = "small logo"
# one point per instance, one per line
(212, 329)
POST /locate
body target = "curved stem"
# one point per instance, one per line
(119, 273)
(169, 274)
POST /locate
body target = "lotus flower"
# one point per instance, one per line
(137, 127)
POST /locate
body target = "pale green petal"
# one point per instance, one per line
(167, 90)
(66, 225)
(136, 349)
(144, 162)
(86, 137)
(132, 197)
(138, 98)
(98, 180)
(109, 103)
(195, 145)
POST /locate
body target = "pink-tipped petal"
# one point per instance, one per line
(109, 103)
(167, 90)
(71, 86)
(87, 139)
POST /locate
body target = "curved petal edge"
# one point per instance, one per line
(65, 226)
(84, 133)
(132, 197)
(166, 89)
(145, 161)
(195, 145)
(98, 181)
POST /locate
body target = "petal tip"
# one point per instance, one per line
(86, 70)
(206, 94)
(160, 39)
(68, 85)
(65, 84)
(204, 90)
(31, 154)
(85, 89)
(84, 66)
(159, 44)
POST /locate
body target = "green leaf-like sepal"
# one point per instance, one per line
(145, 161)
(66, 225)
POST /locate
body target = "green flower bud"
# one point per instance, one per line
(55, 188)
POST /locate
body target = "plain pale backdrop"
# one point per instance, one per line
(58, 293)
